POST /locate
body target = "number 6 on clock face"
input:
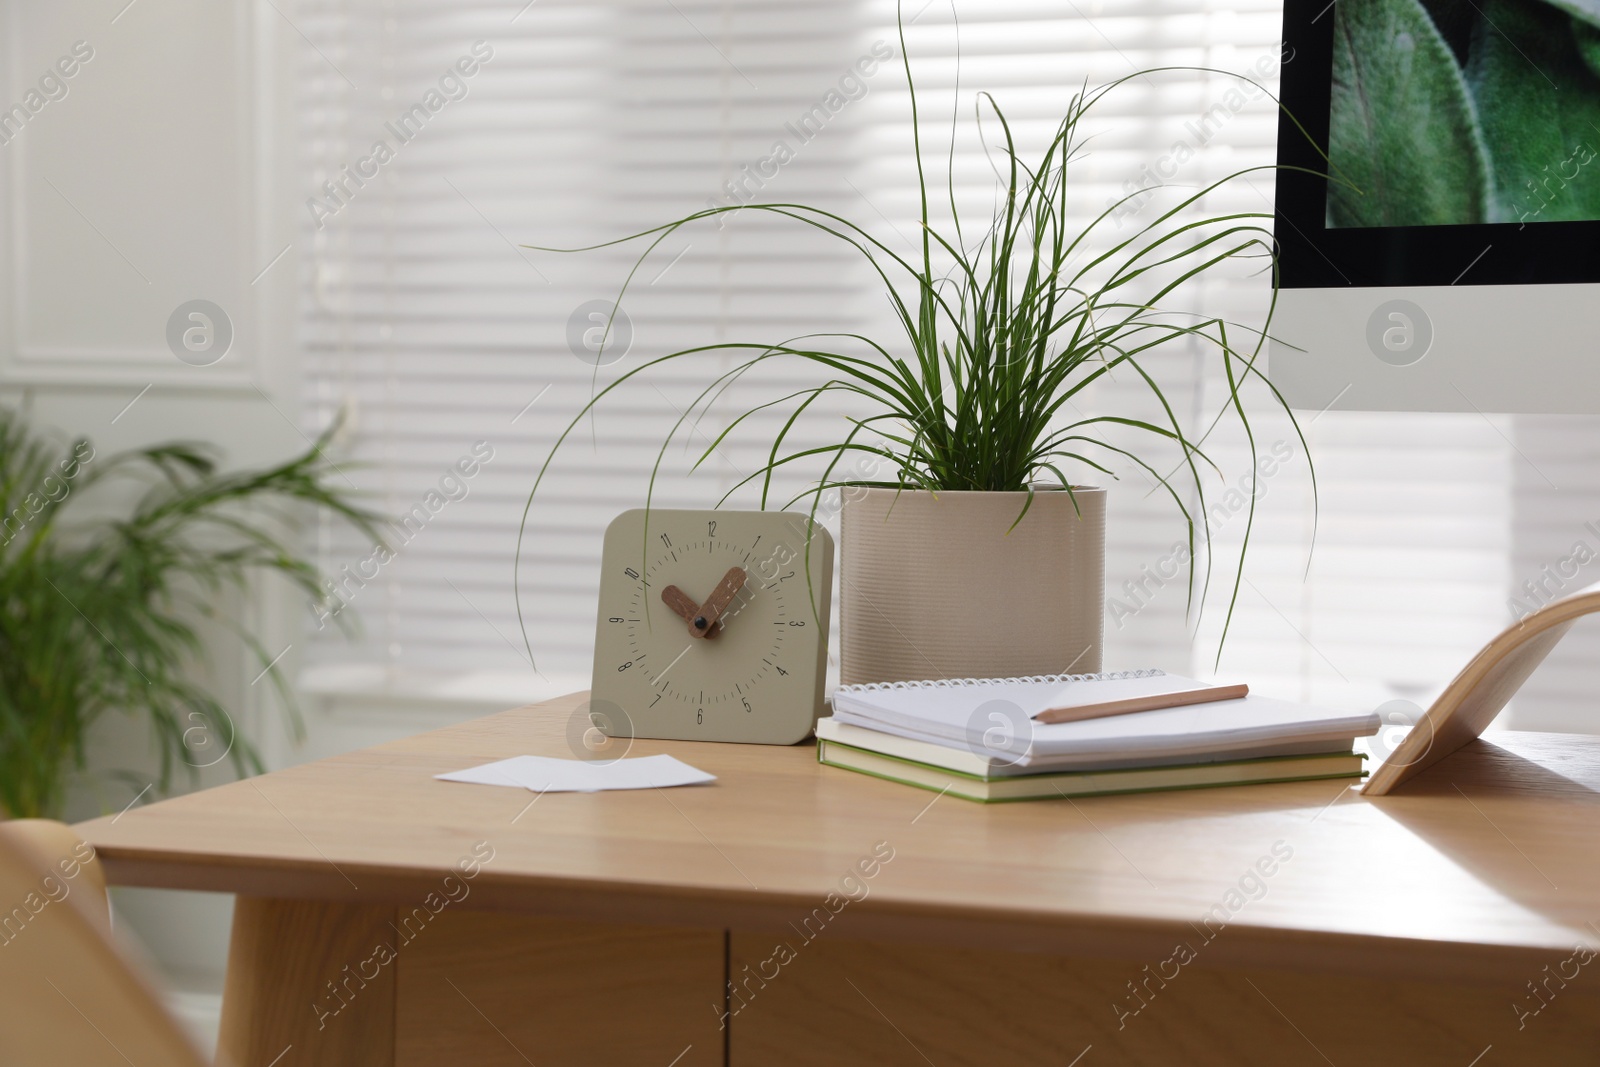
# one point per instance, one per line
(713, 625)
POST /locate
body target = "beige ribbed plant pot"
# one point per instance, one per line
(932, 585)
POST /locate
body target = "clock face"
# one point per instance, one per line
(712, 626)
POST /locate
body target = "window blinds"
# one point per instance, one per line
(452, 348)
(423, 317)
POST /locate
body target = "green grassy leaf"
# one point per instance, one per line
(1402, 127)
(1540, 107)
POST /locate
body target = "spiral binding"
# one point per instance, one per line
(1036, 679)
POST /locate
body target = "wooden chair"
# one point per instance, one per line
(68, 995)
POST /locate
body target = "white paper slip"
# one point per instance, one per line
(545, 774)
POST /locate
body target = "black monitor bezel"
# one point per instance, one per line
(1312, 256)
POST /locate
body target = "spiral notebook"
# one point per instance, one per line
(994, 717)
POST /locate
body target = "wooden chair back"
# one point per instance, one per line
(68, 995)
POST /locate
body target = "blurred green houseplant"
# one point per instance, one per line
(100, 613)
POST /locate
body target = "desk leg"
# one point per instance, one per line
(303, 988)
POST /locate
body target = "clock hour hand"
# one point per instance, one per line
(686, 606)
(718, 601)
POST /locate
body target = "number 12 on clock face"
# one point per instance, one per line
(713, 625)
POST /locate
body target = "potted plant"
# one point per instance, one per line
(968, 545)
(101, 613)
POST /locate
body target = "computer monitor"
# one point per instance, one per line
(1453, 262)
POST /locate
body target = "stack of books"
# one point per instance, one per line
(1074, 735)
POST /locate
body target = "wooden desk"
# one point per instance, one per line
(1283, 925)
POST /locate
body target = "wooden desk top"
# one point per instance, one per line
(1488, 861)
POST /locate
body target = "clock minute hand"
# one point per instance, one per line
(718, 601)
(686, 606)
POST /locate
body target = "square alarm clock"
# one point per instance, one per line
(712, 625)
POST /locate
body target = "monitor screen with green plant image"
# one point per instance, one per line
(1437, 210)
(1464, 112)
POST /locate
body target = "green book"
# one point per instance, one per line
(1042, 786)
